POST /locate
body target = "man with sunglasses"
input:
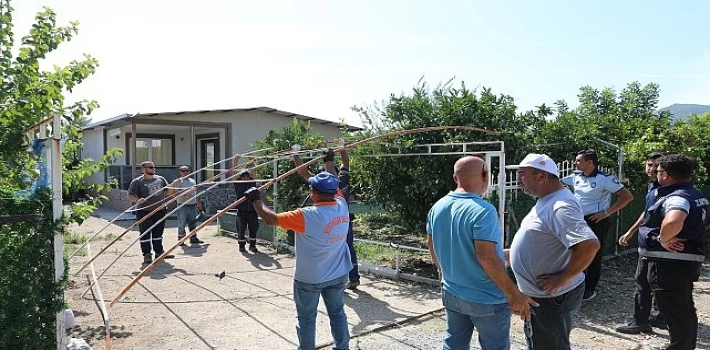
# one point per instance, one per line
(673, 237)
(191, 204)
(148, 192)
(593, 188)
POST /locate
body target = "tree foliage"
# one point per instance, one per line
(408, 186)
(293, 190)
(29, 95)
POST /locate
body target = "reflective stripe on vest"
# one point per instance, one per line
(671, 255)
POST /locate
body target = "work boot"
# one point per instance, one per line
(252, 248)
(147, 258)
(658, 321)
(195, 240)
(634, 328)
(352, 285)
(242, 248)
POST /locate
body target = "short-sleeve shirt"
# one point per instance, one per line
(186, 190)
(144, 188)
(322, 252)
(454, 223)
(542, 244)
(594, 191)
(676, 203)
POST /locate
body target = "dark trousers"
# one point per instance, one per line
(552, 320)
(250, 220)
(594, 271)
(643, 297)
(672, 284)
(354, 274)
(154, 237)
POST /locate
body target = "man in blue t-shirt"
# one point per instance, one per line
(593, 188)
(466, 245)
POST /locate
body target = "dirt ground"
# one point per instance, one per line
(182, 305)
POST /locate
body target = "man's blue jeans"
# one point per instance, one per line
(306, 297)
(354, 274)
(491, 320)
(186, 217)
(552, 320)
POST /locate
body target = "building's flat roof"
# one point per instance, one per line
(123, 117)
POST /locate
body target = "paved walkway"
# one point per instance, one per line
(182, 305)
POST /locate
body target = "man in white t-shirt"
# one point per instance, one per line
(550, 251)
(190, 203)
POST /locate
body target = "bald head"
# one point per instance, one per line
(470, 174)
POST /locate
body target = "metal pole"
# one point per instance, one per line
(274, 190)
(618, 215)
(501, 191)
(193, 162)
(132, 148)
(620, 153)
(397, 260)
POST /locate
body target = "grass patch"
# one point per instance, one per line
(69, 249)
(110, 237)
(380, 226)
(71, 237)
(384, 255)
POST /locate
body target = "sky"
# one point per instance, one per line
(320, 58)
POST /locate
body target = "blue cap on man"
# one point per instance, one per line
(324, 182)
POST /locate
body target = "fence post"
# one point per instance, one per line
(396, 263)
(275, 174)
(54, 164)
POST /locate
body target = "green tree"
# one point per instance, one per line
(690, 137)
(29, 95)
(293, 190)
(628, 119)
(408, 186)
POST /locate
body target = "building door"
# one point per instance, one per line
(209, 156)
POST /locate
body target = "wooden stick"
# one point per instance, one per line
(147, 269)
(215, 184)
(170, 200)
(131, 209)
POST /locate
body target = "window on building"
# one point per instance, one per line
(158, 151)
